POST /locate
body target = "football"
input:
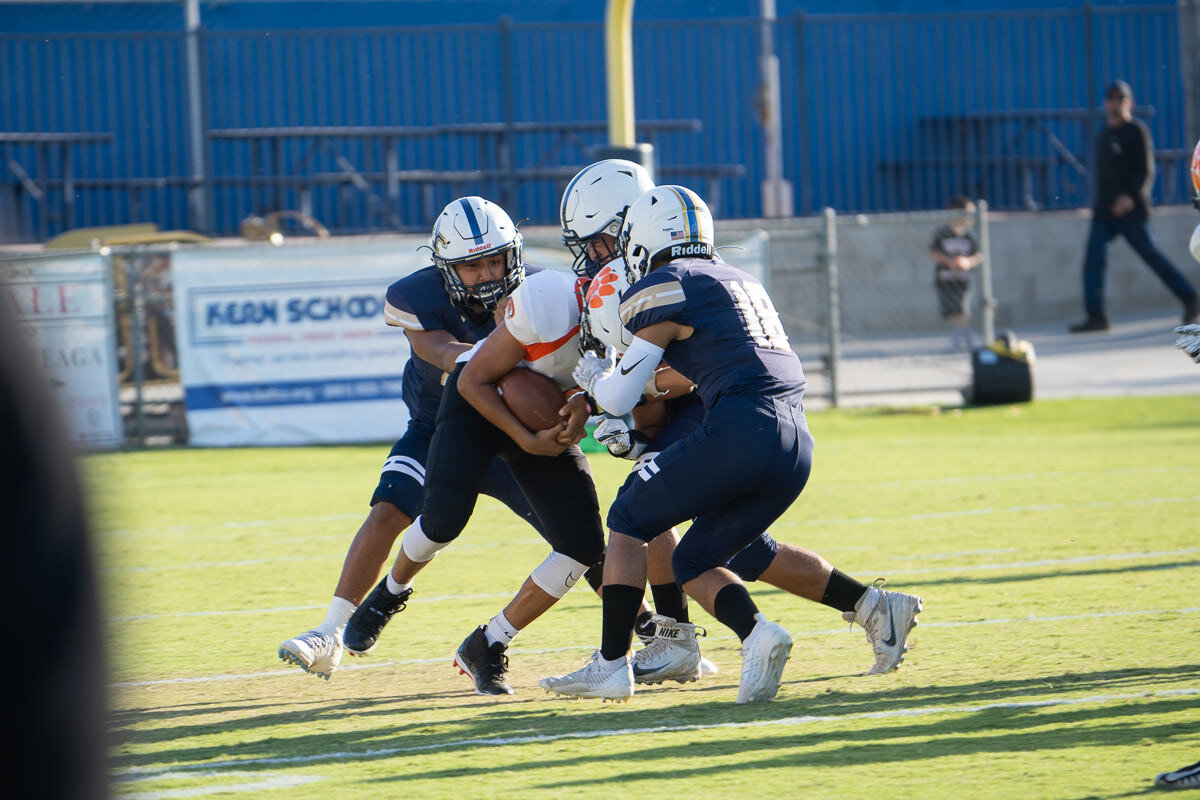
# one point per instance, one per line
(532, 398)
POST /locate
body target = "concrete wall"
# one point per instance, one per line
(887, 278)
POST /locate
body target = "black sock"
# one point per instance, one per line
(595, 576)
(621, 604)
(733, 607)
(842, 591)
(670, 601)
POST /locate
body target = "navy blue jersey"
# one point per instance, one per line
(738, 347)
(418, 302)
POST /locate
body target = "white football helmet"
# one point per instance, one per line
(600, 324)
(470, 228)
(594, 202)
(668, 221)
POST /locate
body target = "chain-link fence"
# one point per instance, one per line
(151, 396)
(906, 326)
(859, 299)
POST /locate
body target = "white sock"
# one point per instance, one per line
(499, 629)
(616, 662)
(394, 587)
(339, 613)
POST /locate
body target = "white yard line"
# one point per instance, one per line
(808, 719)
(985, 512)
(973, 512)
(352, 666)
(264, 781)
(181, 530)
(966, 569)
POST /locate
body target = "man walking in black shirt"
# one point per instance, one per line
(1124, 174)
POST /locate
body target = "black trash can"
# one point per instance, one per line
(1001, 372)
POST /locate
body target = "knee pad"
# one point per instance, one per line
(418, 546)
(557, 574)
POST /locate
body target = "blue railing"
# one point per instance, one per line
(879, 112)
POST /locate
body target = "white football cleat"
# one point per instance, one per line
(314, 651)
(595, 680)
(672, 655)
(764, 655)
(887, 617)
(707, 667)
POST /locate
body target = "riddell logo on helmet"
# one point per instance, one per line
(479, 247)
(693, 249)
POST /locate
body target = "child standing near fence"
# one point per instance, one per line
(955, 253)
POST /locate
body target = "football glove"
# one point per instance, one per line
(620, 439)
(1189, 341)
(591, 368)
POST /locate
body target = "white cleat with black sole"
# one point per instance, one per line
(887, 617)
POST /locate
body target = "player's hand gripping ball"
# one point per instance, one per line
(533, 398)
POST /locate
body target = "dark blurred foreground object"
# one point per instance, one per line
(56, 689)
(1002, 372)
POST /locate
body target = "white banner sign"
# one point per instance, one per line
(63, 304)
(288, 345)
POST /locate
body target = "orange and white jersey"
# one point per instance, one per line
(543, 315)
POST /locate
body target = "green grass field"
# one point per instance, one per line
(1055, 546)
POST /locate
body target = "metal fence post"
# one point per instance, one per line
(137, 344)
(1089, 83)
(197, 122)
(776, 191)
(985, 272)
(832, 299)
(506, 145)
(803, 160)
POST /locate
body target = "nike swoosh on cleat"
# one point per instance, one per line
(641, 673)
(635, 365)
(891, 640)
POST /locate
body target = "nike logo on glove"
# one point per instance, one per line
(625, 371)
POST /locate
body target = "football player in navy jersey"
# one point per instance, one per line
(443, 311)
(473, 427)
(734, 475)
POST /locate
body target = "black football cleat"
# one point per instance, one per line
(486, 664)
(1090, 325)
(370, 618)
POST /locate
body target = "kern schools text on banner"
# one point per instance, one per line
(288, 345)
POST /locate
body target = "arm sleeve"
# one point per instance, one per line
(619, 391)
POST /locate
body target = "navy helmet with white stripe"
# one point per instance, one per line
(666, 222)
(471, 228)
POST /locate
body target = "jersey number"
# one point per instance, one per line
(759, 315)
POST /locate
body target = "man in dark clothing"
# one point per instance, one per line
(1124, 173)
